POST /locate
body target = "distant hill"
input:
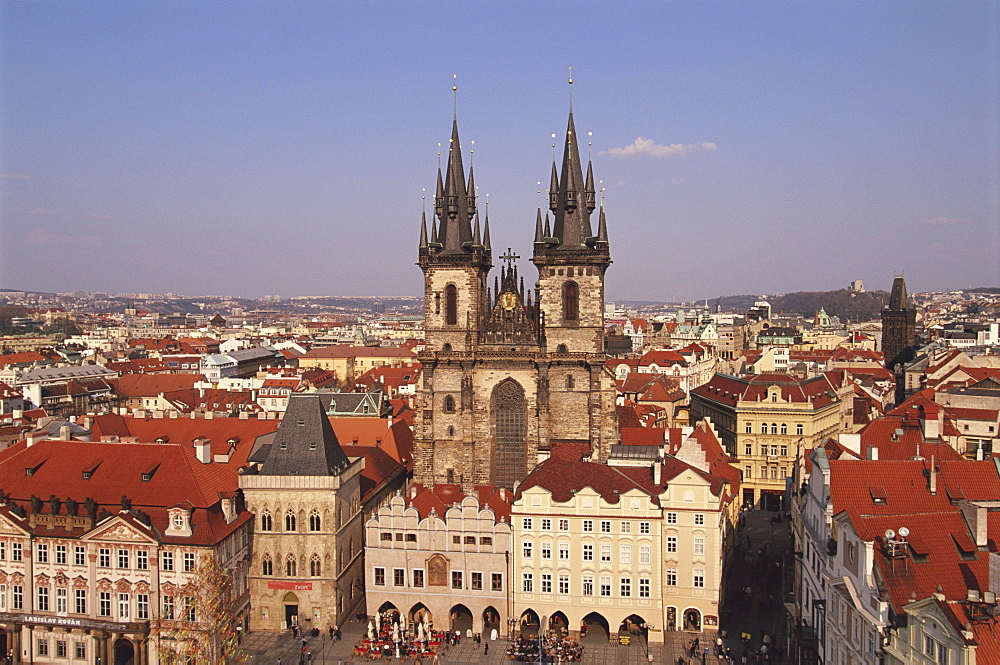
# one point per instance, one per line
(848, 305)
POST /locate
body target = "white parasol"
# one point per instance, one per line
(420, 633)
(371, 631)
(378, 621)
(395, 632)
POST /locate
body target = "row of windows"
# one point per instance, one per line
(123, 559)
(588, 501)
(766, 472)
(44, 602)
(697, 577)
(291, 566)
(766, 450)
(624, 526)
(774, 428)
(587, 588)
(624, 552)
(605, 526)
(291, 522)
(458, 579)
(62, 648)
(697, 545)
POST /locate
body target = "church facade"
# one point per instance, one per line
(507, 372)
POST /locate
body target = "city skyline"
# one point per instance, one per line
(284, 149)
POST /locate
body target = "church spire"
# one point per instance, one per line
(486, 229)
(572, 222)
(423, 230)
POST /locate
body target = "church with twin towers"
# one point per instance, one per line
(511, 374)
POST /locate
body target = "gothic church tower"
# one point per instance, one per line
(508, 375)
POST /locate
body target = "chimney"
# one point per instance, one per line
(64, 433)
(35, 437)
(203, 450)
(657, 472)
(17, 413)
(209, 415)
(88, 422)
(933, 476)
(872, 453)
(930, 418)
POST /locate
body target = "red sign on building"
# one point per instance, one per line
(294, 586)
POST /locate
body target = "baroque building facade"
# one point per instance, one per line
(508, 372)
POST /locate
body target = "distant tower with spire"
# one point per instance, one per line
(509, 374)
(899, 326)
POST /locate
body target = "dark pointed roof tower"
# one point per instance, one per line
(572, 200)
(452, 237)
(305, 444)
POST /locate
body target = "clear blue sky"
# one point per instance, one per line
(257, 148)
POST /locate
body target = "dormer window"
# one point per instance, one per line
(178, 521)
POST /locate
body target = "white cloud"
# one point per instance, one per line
(942, 221)
(649, 147)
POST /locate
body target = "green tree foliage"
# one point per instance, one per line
(845, 304)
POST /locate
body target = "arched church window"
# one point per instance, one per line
(446, 348)
(290, 567)
(451, 305)
(289, 521)
(314, 521)
(265, 521)
(561, 348)
(509, 411)
(266, 566)
(449, 404)
(571, 301)
(314, 566)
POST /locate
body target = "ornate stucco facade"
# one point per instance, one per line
(446, 559)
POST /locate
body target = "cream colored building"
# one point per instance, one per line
(764, 419)
(349, 362)
(587, 548)
(437, 551)
(305, 494)
(618, 548)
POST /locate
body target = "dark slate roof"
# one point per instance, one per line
(305, 444)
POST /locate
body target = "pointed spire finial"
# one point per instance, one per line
(454, 96)
(570, 89)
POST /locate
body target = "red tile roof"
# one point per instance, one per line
(561, 478)
(889, 494)
(117, 470)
